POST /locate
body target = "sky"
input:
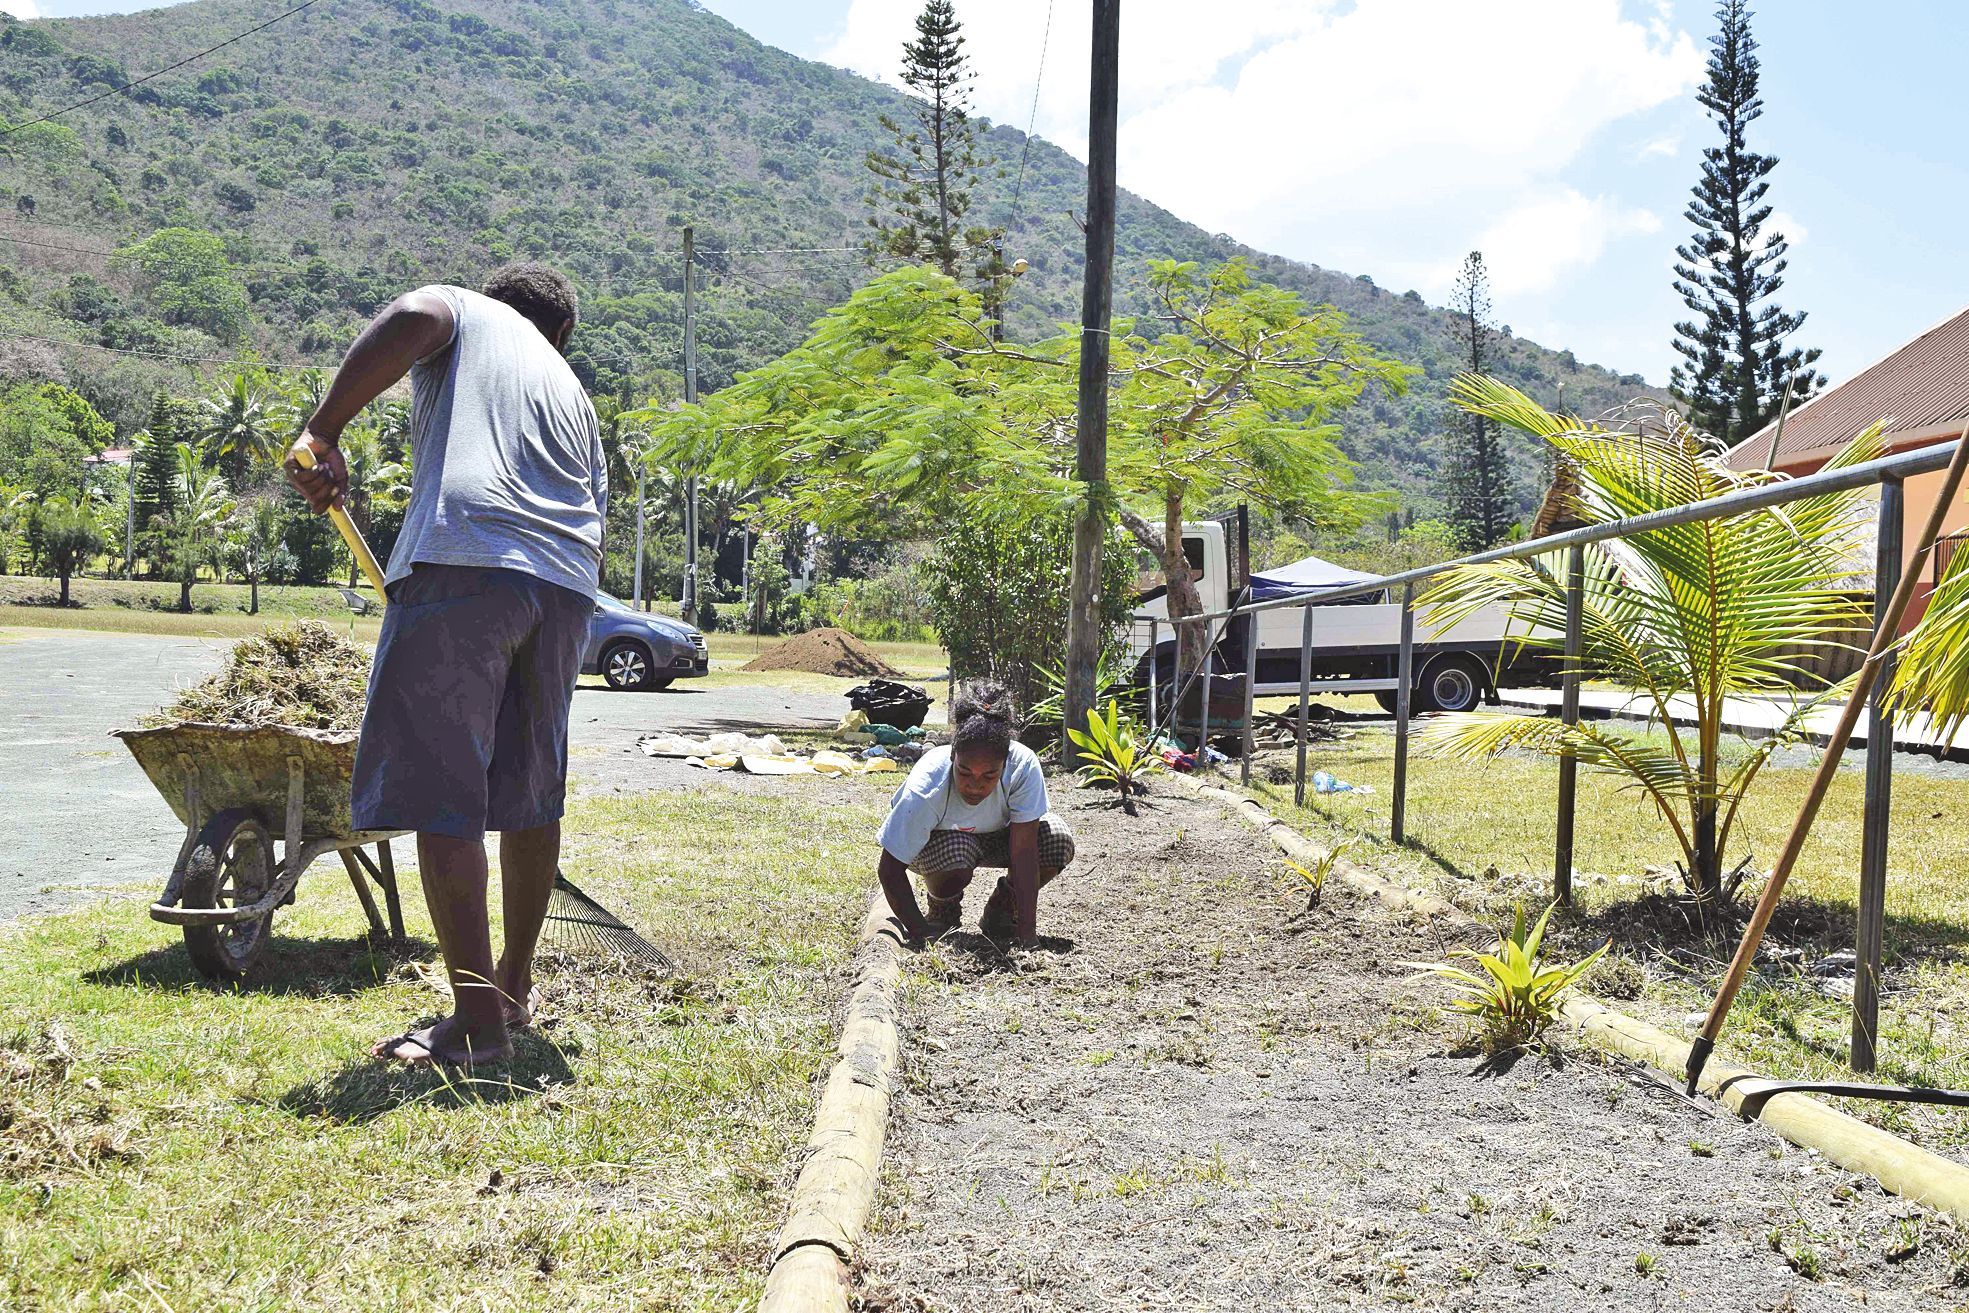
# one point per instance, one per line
(1559, 137)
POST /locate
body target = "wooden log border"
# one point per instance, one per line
(1901, 1167)
(835, 1192)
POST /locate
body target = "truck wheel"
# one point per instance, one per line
(1451, 684)
(231, 865)
(1389, 700)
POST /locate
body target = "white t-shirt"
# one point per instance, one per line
(928, 801)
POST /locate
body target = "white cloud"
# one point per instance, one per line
(1786, 223)
(19, 8)
(1537, 245)
(1660, 147)
(1272, 110)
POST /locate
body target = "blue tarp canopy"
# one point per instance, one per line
(1306, 576)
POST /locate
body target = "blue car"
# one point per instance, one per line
(635, 650)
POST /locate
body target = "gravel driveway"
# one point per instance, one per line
(80, 818)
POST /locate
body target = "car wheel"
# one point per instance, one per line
(1452, 684)
(627, 667)
(662, 682)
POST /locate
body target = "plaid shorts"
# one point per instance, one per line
(957, 852)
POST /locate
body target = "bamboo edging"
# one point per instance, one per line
(1903, 1168)
(835, 1192)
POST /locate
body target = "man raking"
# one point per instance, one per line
(491, 586)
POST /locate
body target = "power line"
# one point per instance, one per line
(1032, 119)
(155, 355)
(149, 77)
(52, 246)
(781, 250)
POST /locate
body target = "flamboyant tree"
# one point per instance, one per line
(900, 413)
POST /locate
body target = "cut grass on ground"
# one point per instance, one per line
(168, 1145)
(1483, 835)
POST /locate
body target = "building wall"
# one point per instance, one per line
(1918, 502)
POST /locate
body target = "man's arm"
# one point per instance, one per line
(408, 329)
(902, 898)
(1025, 879)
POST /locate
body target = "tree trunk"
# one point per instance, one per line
(253, 581)
(1180, 597)
(184, 594)
(64, 578)
(1706, 871)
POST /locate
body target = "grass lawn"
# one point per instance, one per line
(168, 1145)
(141, 606)
(1483, 836)
(219, 611)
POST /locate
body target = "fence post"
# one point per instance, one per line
(1203, 728)
(1868, 951)
(1305, 695)
(1155, 718)
(1404, 676)
(1250, 693)
(1569, 716)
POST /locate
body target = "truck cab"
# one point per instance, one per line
(1356, 642)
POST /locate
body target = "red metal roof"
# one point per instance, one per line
(1921, 390)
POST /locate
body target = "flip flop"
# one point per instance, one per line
(392, 1051)
(519, 1016)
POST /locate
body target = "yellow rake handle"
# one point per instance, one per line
(304, 457)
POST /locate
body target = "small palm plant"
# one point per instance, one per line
(1933, 674)
(1686, 616)
(1314, 876)
(1113, 753)
(1514, 993)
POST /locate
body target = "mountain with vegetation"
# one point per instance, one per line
(261, 201)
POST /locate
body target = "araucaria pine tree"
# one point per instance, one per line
(925, 181)
(1735, 363)
(1479, 502)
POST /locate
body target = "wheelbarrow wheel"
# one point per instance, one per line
(231, 865)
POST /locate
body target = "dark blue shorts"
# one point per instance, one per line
(466, 729)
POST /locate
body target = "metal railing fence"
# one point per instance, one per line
(1888, 472)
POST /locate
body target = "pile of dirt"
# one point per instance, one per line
(825, 652)
(300, 675)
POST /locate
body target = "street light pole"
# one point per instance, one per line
(690, 399)
(1091, 454)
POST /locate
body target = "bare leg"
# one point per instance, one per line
(453, 872)
(527, 862)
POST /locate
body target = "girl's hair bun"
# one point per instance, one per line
(985, 716)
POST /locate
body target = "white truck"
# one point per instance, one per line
(1356, 640)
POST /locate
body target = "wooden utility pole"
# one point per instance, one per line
(690, 399)
(1090, 528)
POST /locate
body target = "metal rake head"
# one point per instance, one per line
(578, 923)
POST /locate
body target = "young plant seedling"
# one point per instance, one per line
(1315, 877)
(1514, 993)
(1112, 752)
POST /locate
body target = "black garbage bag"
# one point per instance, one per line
(886, 702)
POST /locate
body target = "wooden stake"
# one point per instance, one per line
(1885, 634)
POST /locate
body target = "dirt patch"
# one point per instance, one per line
(825, 652)
(1195, 1100)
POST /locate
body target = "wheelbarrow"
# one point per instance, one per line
(237, 789)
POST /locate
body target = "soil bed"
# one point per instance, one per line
(1192, 1099)
(825, 652)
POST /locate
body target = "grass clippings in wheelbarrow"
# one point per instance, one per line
(300, 675)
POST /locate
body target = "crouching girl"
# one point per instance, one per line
(979, 802)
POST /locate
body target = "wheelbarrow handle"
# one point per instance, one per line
(351, 535)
